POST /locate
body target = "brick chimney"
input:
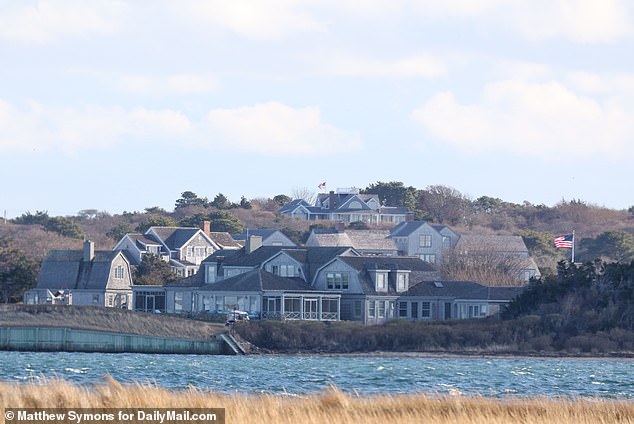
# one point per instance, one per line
(89, 251)
(205, 226)
(409, 217)
(331, 201)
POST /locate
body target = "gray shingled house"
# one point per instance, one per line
(184, 248)
(83, 277)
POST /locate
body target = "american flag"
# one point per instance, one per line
(322, 185)
(564, 242)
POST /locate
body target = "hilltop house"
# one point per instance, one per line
(184, 248)
(346, 205)
(83, 277)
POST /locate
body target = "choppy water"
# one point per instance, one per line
(497, 377)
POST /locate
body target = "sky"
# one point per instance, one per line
(121, 106)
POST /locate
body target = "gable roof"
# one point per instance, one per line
(224, 240)
(292, 205)
(66, 269)
(358, 239)
(491, 243)
(174, 237)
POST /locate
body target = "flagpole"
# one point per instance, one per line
(573, 247)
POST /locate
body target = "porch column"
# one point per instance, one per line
(339, 308)
(319, 317)
(282, 305)
(301, 307)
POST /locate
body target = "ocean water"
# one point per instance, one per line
(299, 375)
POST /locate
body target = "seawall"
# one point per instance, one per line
(62, 339)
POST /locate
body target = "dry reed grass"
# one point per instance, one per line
(332, 406)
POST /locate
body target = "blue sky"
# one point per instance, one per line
(115, 106)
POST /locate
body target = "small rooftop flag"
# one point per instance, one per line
(565, 242)
(322, 186)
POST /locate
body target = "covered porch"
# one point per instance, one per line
(301, 306)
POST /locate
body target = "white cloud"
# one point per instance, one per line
(180, 84)
(580, 21)
(51, 20)
(262, 19)
(271, 128)
(276, 129)
(421, 66)
(546, 120)
(36, 127)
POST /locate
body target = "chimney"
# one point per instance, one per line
(252, 244)
(331, 197)
(409, 217)
(89, 251)
(206, 227)
(340, 226)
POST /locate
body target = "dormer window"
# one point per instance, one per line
(381, 282)
(402, 281)
(118, 272)
(337, 280)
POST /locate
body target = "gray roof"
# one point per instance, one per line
(358, 239)
(224, 240)
(289, 207)
(174, 237)
(491, 243)
(463, 290)
(66, 269)
(141, 238)
(256, 281)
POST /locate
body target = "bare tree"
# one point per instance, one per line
(304, 193)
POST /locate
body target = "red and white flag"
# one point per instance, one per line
(322, 186)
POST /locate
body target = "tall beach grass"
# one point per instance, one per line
(332, 406)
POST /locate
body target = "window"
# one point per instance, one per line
(337, 280)
(371, 309)
(148, 301)
(425, 240)
(429, 258)
(200, 251)
(446, 242)
(118, 272)
(414, 309)
(401, 281)
(526, 274)
(425, 311)
(95, 299)
(402, 309)
(190, 251)
(110, 300)
(381, 309)
(381, 281)
(178, 301)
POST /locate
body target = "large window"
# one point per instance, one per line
(149, 301)
(178, 301)
(381, 282)
(119, 272)
(402, 309)
(357, 308)
(425, 311)
(402, 279)
(371, 309)
(429, 258)
(414, 310)
(381, 309)
(425, 240)
(200, 251)
(337, 280)
(446, 242)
